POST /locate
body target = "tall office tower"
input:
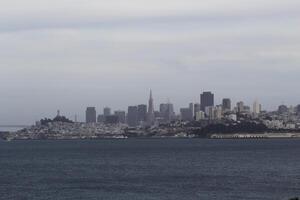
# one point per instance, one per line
(298, 109)
(240, 106)
(142, 113)
(226, 104)
(171, 113)
(293, 109)
(200, 115)
(283, 109)
(163, 107)
(166, 111)
(256, 107)
(150, 114)
(218, 112)
(90, 115)
(132, 116)
(186, 114)
(106, 111)
(210, 112)
(197, 108)
(163, 110)
(121, 116)
(206, 100)
(191, 106)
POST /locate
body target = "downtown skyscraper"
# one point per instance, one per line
(150, 114)
(90, 115)
(206, 100)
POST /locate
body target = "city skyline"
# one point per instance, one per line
(79, 115)
(98, 113)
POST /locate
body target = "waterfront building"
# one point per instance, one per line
(206, 100)
(226, 104)
(121, 116)
(90, 115)
(132, 116)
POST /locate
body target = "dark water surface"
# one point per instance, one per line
(173, 169)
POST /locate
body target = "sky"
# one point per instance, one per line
(70, 54)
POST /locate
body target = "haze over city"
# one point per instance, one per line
(68, 55)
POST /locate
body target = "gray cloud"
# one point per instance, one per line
(70, 54)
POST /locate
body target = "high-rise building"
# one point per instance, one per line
(90, 115)
(210, 112)
(226, 104)
(163, 108)
(132, 116)
(214, 112)
(142, 113)
(106, 111)
(298, 109)
(150, 114)
(200, 115)
(206, 99)
(187, 114)
(191, 106)
(166, 111)
(197, 108)
(100, 119)
(240, 107)
(218, 112)
(256, 108)
(121, 116)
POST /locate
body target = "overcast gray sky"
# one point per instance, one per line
(69, 54)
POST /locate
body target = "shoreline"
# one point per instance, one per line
(212, 137)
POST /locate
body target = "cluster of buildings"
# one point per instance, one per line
(205, 110)
(145, 115)
(135, 116)
(65, 130)
(197, 119)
